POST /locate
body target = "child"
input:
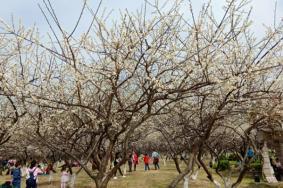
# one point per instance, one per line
(64, 177)
(146, 162)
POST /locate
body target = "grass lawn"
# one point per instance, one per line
(142, 179)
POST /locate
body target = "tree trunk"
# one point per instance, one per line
(267, 168)
(186, 182)
(125, 169)
(102, 179)
(194, 176)
(180, 177)
(241, 176)
(175, 159)
(217, 184)
(101, 184)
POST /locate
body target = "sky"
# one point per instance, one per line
(68, 10)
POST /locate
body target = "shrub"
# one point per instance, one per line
(223, 165)
(233, 157)
(256, 165)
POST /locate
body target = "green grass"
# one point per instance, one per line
(141, 179)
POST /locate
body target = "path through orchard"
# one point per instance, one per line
(141, 179)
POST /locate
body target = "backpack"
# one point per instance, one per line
(31, 180)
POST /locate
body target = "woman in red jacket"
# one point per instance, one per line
(135, 160)
(146, 162)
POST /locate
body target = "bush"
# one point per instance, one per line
(223, 165)
(223, 157)
(233, 157)
(256, 165)
(226, 161)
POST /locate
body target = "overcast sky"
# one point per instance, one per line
(68, 11)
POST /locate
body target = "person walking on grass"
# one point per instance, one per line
(146, 162)
(11, 166)
(155, 157)
(65, 176)
(32, 173)
(16, 175)
(130, 162)
(117, 159)
(49, 171)
(135, 160)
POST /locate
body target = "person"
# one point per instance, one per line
(11, 166)
(155, 156)
(23, 169)
(117, 159)
(5, 164)
(1, 166)
(278, 169)
(64, 176)
(7, 184)
(135, 160)
(250, 153)
(32, 173)
(130, 162)
(146, 162)
(50, 170)
(17, 175)
(277, 163)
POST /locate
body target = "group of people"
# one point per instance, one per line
(17, 172)
(155, 160)
(31, 173)
(133, 161)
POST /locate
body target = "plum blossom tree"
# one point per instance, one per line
(85, 94)
(88, 96)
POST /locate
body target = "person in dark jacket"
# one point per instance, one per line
(16, 175)
(130, 162)
(117, 159)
